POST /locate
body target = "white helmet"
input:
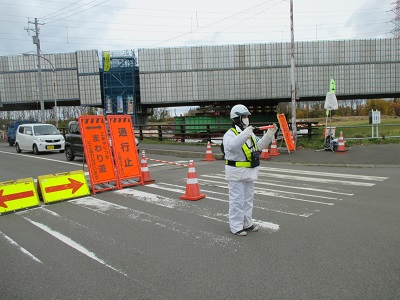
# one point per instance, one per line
(239, 110)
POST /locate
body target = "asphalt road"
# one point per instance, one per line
(327, 233)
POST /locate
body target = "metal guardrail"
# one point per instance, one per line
(207, 132)
(182, 132)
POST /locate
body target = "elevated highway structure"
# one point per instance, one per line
(255, 74)
(260, 73)
(69, 78)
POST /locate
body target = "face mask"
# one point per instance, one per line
(246, 122)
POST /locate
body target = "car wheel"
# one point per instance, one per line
(10, 142)
(68, 154)
(35, 150)
(17, 148)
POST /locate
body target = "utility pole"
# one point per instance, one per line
(396, 22)
(53, 70)
(396, 19)
(36, 41)
(294, 126)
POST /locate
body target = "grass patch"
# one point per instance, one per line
(356, 132)
(317, 142)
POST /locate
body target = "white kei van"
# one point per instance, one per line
(39, 138)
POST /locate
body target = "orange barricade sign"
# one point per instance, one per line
(286, 132)
(124, 149)
(98, 154)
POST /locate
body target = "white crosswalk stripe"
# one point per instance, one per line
(311, 189)
(324, 174)
(275, 192)
(280, 193)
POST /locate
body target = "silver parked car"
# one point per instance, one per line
(39, 138)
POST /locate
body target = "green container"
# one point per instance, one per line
(179, 120)
(199, 123)
(264, 118)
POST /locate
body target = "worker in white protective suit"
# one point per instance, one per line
(242, 153)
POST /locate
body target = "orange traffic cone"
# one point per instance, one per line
(274, 150)
(145, 170)
(209, 155)
(341, 147)
(264, 154)
(192, 185)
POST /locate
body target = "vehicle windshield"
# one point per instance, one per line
(45, 130)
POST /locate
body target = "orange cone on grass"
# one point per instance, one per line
(341, 147)
(209, 155)
(192, 185)
(274, 150)
(145, 170)
(265, 154)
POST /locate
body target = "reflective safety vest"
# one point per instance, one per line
(247, 152)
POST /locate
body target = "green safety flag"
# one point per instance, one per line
(332, 86)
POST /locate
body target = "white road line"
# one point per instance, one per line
(73, 244)
(280, 191)
(285, 186)
(181, 205)
(277, 195)
(43, 158)
(83, 229)
(304, 215)
(109, 209)
(326, 174)
(316, 180)
(46, 209)
(22, 249)
(160, 184)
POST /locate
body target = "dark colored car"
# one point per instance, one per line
(73, 141)
(12, 130)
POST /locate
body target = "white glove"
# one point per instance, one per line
(271, 131)
(248, 131)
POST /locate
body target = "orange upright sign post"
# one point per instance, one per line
(98, 154)
(124, 150)
(286, 132)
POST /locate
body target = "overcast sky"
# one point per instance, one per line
(70, 25)
(111, 25)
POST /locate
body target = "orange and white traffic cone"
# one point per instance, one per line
(341, 147)
(209, 155)
(192, 185)
(274, 150)
(264, 154)
(145, 170)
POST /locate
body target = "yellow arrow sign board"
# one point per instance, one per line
(62, 186)
(18, 195)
